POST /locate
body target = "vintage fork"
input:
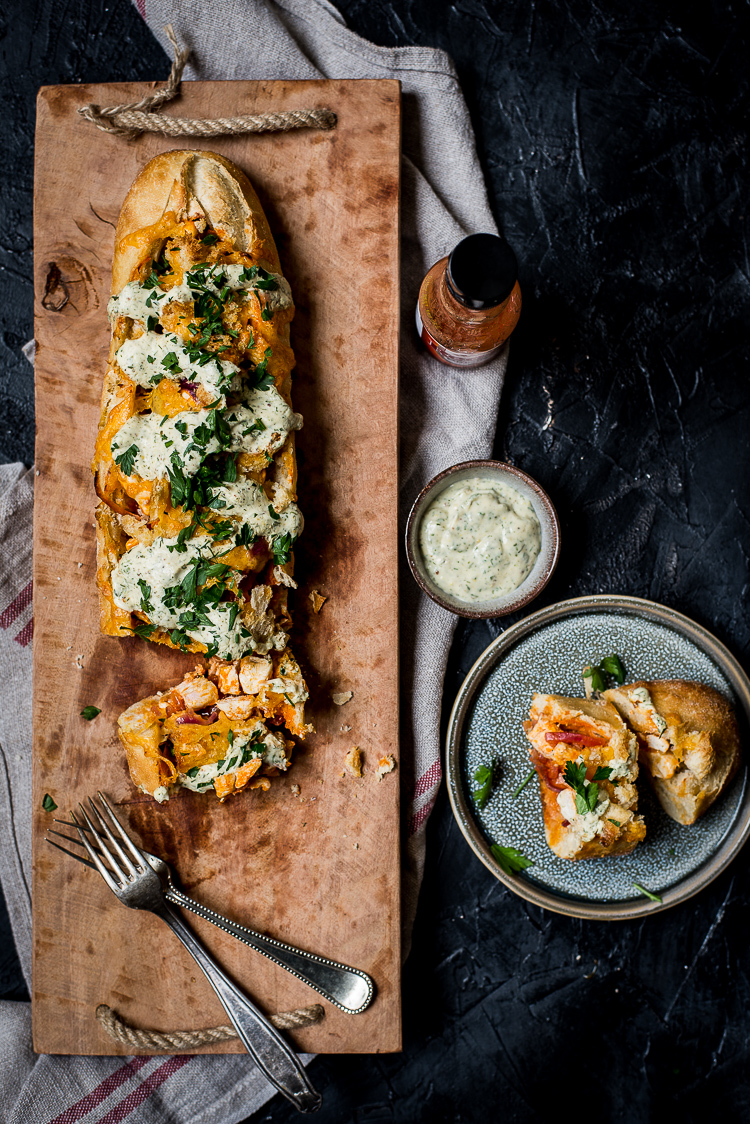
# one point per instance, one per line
(136, 884)
(350, 989)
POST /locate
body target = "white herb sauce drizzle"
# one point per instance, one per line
(156, 440)
(479, 539)
(161, 569)
(142, 360)
(139, 301)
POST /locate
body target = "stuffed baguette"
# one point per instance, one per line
(195, 465)
(689, 741)
(587, 762)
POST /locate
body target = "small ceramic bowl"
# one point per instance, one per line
(543, 567)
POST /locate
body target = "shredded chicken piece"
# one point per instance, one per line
(342, 697)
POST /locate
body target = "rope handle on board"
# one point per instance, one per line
(143, 116)
(121, 1031)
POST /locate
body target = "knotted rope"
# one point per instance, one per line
(141, 116)
(117, 1028)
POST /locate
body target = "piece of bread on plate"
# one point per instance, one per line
(689, 741)
(587, 762)
(211, 732)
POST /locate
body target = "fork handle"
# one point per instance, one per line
(273, 1057)
(348, 988)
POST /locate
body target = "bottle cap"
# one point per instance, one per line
(482, 271)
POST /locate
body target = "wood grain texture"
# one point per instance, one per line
(320, 870)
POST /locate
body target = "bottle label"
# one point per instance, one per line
(454, 358)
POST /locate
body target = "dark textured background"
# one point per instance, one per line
(613, 137)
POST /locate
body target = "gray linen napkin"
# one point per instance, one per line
(445, 416)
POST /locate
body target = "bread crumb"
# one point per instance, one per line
(345, 729)
(318, 600)
(341, 697)
(79, 661)
(353, 762)
(355, 846)
(385, 765)
(296, 790)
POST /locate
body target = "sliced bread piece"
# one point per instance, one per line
(689, 743)
(587, 762)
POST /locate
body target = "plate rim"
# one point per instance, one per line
(681, 891)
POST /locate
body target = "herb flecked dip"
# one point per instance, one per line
(479, 539)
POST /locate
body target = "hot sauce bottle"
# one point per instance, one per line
(469, 302)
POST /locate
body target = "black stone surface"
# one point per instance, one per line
(614, 139)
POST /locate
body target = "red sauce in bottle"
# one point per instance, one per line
(470, 302)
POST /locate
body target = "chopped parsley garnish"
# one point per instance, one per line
(273, 513)
(611, 666)
(142, 630)
(126, 460)
(263, 377)
(266, 314)
(648, 894)
(258, 426)
(524, 782)
(245, 537)
(209, 238)
(509, 859)
(172, 363)
(48, 803)
(483, 777)
(145, 589)
(587, 792)
(282, 548)
(193, 772)
(230, 737)
(90, 712)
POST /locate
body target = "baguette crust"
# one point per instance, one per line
(612, 828)
(689, 741)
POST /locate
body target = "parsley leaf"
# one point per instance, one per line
(587, 793)
(48, 803)
(594, 673)
(126, 460)
(90, 712)
(611, 666)
(282, 548)
(209, 238)
(273, 513)
(509, 859)
(245, 536)
(145, 589)
(142, 630)
(524, 782)
(483, 777)
(648, 894)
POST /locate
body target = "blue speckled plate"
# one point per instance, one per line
(546, 652)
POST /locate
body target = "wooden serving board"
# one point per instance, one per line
(320, 870)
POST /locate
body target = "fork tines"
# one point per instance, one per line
(106, 836)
